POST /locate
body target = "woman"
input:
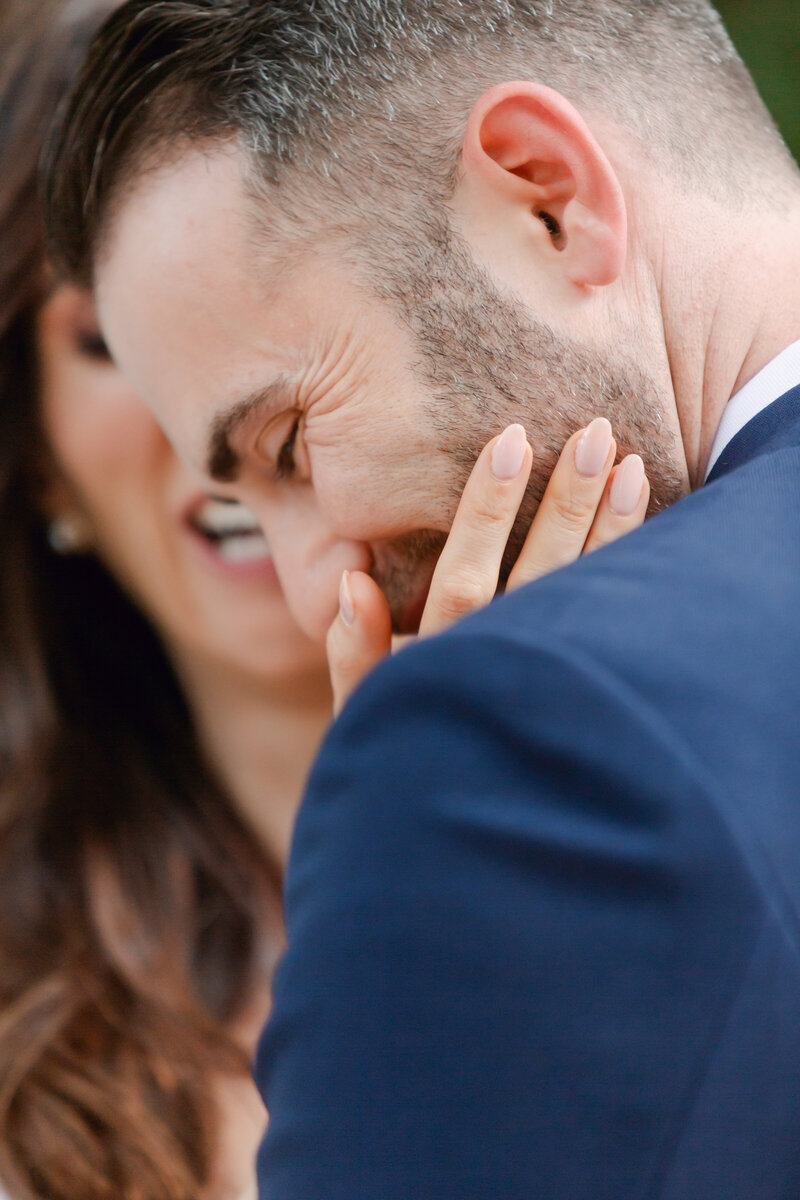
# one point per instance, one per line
(139, 884)
(158, 710)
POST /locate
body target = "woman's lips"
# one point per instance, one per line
(230, 536)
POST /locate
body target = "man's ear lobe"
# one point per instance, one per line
(527, 150)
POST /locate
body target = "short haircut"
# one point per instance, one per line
(367, 92)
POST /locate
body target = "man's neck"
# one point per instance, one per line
(727, 315)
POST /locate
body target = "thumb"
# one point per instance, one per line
(360, 637)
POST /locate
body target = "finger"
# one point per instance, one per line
(624, 503)
(466, 575)
(360, 637)
(567, 510)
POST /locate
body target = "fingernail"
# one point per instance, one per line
(346, 606)
(626, 490)
(509, 453)
(592, 450)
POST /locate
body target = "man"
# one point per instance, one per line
(543, 903)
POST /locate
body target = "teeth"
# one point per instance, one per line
(221, 519)
(242, 547)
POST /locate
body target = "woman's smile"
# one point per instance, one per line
(229, 536)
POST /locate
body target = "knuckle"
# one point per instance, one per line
(459, 596)
(485, 513)
(571, 515)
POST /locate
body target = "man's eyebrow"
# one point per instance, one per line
(223, 462)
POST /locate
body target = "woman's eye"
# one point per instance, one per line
(92, 345)
(285, 464)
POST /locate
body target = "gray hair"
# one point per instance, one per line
(369, 92)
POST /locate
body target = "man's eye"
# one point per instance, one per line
(285, 464)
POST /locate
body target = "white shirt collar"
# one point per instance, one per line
(775, 380)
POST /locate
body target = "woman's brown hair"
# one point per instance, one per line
(132, 900)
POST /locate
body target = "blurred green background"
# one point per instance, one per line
(767, 35)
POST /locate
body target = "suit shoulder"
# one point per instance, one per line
(479, 714)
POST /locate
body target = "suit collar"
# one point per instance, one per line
(775, 428)
(775, 379)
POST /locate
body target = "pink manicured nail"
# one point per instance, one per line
(592, 450)
(346, 606)
(509, 453)
(626, 490)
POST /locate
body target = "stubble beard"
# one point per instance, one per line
(484, 364)
(403, 570)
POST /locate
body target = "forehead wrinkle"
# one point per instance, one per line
(223, 462)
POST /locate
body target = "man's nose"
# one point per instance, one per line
(310, 557)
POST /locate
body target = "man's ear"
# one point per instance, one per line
(529, 156)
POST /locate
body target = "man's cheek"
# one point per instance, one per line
(349, 491)
(368, 507)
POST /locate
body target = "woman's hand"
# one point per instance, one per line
(588, 503)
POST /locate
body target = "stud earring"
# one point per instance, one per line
(69, 534)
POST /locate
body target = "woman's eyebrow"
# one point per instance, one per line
(223, 462)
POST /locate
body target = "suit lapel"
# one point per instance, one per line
(773, 429)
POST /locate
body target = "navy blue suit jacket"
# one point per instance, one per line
(544, 895)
